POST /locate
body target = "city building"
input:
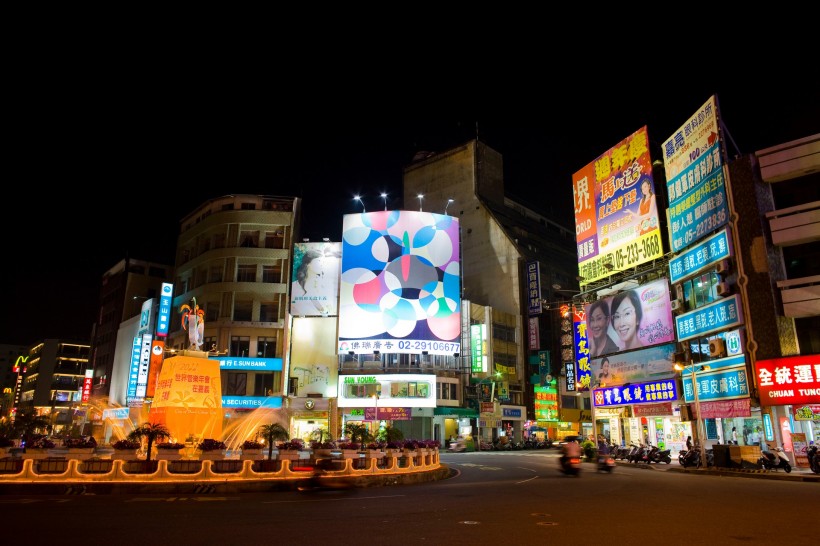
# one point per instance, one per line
(490, 388)
(56, 382)
(232, 269)
(124, 289)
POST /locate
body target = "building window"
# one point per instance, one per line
(249, 239)
(240, 345)
(246, 273)
(272, 273)
(275, 239)
(269, 312)
(215, 273)
(242, 311)
(219, 240)
(266, 347)
(248, 206)
(236, 384)
(211, 312)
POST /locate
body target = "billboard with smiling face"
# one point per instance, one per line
(400, 284)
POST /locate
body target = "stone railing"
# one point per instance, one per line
(61, 469)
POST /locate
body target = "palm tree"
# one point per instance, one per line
(390, 434)
(273, 432)
(357, 430)
(152, 432)
(27, 424)
(321, 435)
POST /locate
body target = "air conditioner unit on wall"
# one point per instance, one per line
(717, 347)
(724, 289)
(724, 266)
(677, 306)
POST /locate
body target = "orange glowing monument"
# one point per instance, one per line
(188, 395)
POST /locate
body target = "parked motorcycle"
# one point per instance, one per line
(661, 456)
(774, 461)
(814, 459)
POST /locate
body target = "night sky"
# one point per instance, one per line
(87, 189)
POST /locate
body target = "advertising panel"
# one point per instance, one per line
(314, 288)
(154, 366)
(146, 317)
(248, 363)
(650, 392)
(400, 289)
(701, 256)
(790, 380)
(134, 368)
(633, 366)
(533, 334)
(579, 338)
(534, 287)
(718, 315)
(164, 311)
(616, 212)
(313, 367)
(725, 380)
(478, 340)
(693, 162)
(641, 317)
(546, 403)
(392, 390)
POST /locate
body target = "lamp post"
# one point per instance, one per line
(448, 204)
(420, 196)
(384, 196)
(376, 417)
(359, 199)
(698, 421)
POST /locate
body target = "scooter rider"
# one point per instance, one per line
(570, 449)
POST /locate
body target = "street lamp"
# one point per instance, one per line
(420, 196)
(448, 204)
(359, 199)
(698, 422)
(384, 196)
(376, 417)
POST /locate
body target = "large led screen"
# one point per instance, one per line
(616, 213)
(400, 283)
(314, 288)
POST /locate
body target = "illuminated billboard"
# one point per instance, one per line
(314, 287)
(632, 319)
(693, 160)
(616, 213)
(400, 284)
(387, 391)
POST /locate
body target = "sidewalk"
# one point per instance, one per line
(797, 474)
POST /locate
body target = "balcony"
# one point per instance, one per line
(801, 297)
(795, 225)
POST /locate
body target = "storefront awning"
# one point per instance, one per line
(460, 412)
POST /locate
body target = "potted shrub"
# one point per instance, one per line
(169, 451)
(151, 432)
(211, 449)
(251, 450)
(125, 449)
(291, 450)
(323, 449)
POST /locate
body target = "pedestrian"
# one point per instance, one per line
(688, 443)
(734, 435)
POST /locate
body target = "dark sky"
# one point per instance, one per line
(87, 189)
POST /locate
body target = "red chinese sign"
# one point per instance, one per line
(724, 408)
(790, 380)
(652, 410)
(388, 414)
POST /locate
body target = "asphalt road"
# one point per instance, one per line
(492, 498)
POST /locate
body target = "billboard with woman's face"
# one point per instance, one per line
(314, 289)
(633, 319)
(400, 289)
